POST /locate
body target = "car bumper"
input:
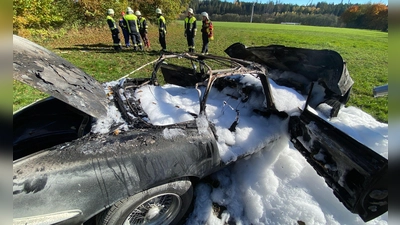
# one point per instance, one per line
(64, 217)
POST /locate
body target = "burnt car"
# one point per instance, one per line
(137, 171)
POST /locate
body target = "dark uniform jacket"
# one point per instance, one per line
(143, 25)
(131, 22)
(190, 25)
(122, 24)
(162, 27)
(111, 23)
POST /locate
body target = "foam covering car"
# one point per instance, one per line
(133, 173)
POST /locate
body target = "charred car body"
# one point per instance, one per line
(138, 174)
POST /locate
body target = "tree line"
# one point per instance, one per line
(365, 16)
(274, 8)
(40, 17)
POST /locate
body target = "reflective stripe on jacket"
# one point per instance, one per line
(142, 24)
(111, 23)
(161, 24)
(190, 25)
(132, 23)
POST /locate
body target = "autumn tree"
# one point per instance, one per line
(352, 16)
(376, 17)
(94, 10)
(34, 14)
(369, 16)
(170, 8)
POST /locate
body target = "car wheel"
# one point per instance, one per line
(164, 204)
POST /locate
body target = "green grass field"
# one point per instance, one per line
(365, 52)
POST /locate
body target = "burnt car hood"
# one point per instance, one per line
(48, 72)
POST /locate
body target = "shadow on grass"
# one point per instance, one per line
(104, 48)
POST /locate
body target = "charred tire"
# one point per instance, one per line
(164, 204)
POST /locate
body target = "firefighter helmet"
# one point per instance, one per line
(158, 11)
(204, 14)
(137, 13)
(129, 10)
(190, 10)
(110, 11)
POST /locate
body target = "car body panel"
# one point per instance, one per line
(357, 175)
(45, 124)
(47, 72)
(301, 67)
(324, 65)
(94, 172)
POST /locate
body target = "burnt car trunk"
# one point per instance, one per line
(299, 68)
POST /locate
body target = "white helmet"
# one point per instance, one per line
(190, 10)
(137, 13)
(129, 10)
(110, 11)
(158, 11)
(204, 14)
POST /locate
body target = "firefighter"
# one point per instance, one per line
(131, 21)
(190, 29)
(114, 30)
(207, 34)
(143, 29)
(124, 29)
(162, 29)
